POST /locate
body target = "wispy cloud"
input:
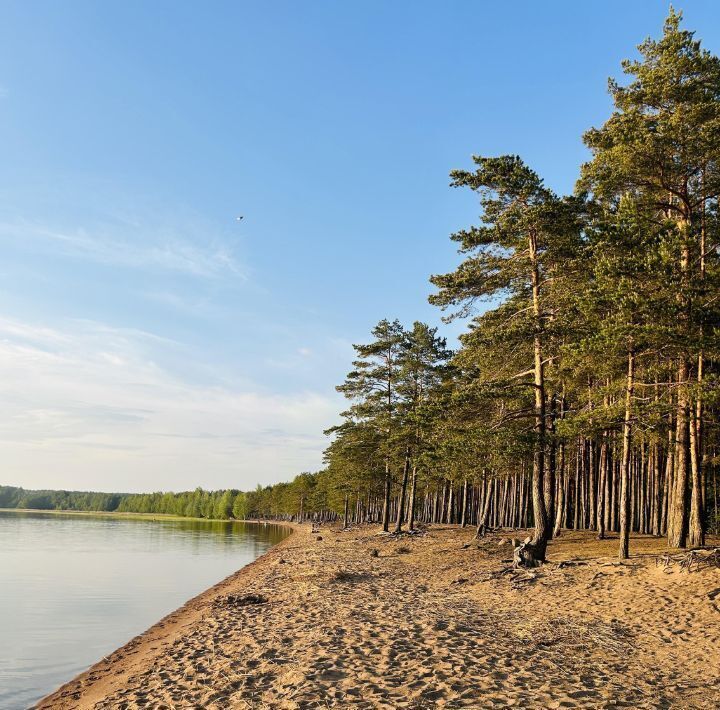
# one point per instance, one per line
(131, 245)
(88, 405)
(193, 304)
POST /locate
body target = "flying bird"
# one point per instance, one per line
(237, 219)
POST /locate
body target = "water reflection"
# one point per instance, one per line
(73, 588)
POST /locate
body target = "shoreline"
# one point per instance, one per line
(360, 619)
(68, 694)
(121, 515)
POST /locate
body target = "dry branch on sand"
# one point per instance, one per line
(239, 600)
(517, 577)
(575, 635)
(690, 561)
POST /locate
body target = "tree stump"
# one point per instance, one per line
(524, 556)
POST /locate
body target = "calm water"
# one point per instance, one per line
(74, 588)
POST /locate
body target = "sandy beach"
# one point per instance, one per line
(359, 619)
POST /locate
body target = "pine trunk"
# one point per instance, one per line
(625, 465)
(677, 513)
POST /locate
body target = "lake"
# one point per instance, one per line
(73, 588)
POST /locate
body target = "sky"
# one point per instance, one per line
(151, 341)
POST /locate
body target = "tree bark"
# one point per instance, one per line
(543, 530)
(463, 516)
(602, 487)
(411, 504)
(386, 499)
(625, 465)
(403, 492)
(677, 514)
(549, 478)
(483, 520)
(696, 535)
(562, 493)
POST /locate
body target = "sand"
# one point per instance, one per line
(429, 622)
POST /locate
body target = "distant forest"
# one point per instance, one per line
(585, 393)
(216, 505)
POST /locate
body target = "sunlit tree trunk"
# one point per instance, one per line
(625, 465)
(403, 492)
(543, 530)
(602, 487)
(411, 504)
(677, 512)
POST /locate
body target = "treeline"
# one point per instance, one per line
(14, 497)
(586, 395)
(284, 500)
(216, 505)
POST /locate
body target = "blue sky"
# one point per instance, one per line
(149, 340)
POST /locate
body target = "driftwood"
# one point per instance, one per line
(690, 561)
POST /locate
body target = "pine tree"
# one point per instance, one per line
(662, 146)
(526, 229)
(373, 387)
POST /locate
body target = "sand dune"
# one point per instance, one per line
(428, 622)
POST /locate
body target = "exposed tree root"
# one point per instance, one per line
(525, 556)
(483, 530)
(690, 561)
